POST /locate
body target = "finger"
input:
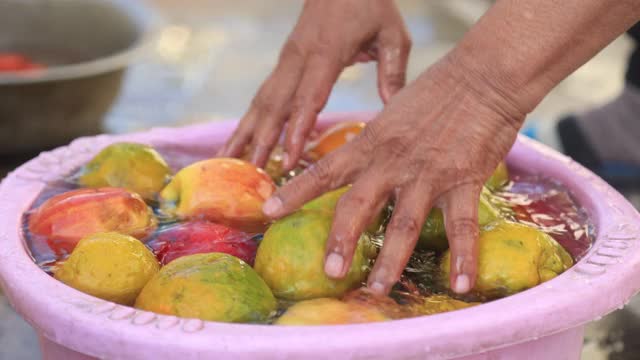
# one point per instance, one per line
(461, 224)
(370, 54)
(270, 105)
(412, 207)
(241, 136)
(393, 56)
(265, 139)
(320, 74)
(356, 209)
(362, 57)
(334, 170)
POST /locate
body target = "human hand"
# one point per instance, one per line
(329, 36)
(434, 144)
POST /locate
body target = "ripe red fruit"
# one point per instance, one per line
(198, 237)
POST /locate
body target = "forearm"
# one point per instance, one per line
(524, 48)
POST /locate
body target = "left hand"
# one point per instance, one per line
(329, 36)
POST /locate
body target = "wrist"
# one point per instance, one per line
(487, 86)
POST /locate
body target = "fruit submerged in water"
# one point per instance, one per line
(327, 203)
(291, 258)
(110, 266)
(201, 237)
(513, 257)
(362, 306)
(333, 138)
(68, 217)
(329, 311)
(224, 191)
(411, 305)
(436, 304)
(213, 287)
(499, 178)
(135, 167)
(433, 235)
(383, 303)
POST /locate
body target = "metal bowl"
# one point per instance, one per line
(86, 45)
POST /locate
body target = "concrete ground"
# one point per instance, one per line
(211, 55)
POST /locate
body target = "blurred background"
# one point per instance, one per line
(204, 61)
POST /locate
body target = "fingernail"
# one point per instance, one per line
(461, 285)
(272, 206)
(377, 287)
(333, 265)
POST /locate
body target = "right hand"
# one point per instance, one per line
(433, 145)
(329, 36)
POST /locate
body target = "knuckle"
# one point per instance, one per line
(351, 200)
(322, 47)
(465, 229)
(263, 143)
(305, 102)
(264, 107)
(399, 40)
(418, 167)
(396, 79)
(266, 135)
(397, 147)
(320, 173)
(292, 49)
(405, 224)
(406, 42)
(369, 136)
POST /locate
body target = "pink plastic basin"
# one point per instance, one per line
(545, 322)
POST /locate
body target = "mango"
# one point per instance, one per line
(201, 237)
(224, 191)
(109, 266)
(68, 217)
(513, 257)
(433, 235)
(361, 306)
(274, 165)
(409, 305)
(333, 138)
(212, 287)
(329, 311)
(291, 255)
(499, 178)
(436, 304)
(328, 202)
(135, 167)
(383, 303)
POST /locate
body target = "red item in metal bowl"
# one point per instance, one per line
(11, 62)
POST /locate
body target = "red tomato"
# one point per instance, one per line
(198, 237)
